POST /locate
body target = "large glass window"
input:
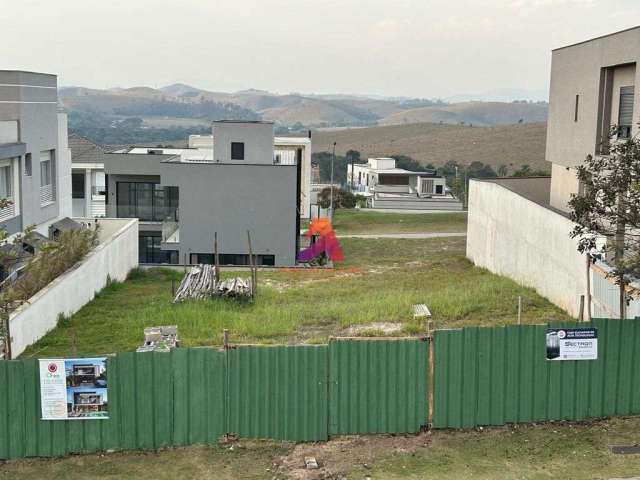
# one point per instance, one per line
(147, 201)
(149, 250)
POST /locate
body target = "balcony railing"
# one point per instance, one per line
(170, 233)
(148, 213)
(8, 212)
(98, 190)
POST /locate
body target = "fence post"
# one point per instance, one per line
(519, 309)
(430, 383)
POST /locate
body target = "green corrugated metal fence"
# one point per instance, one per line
(278, 392)
(194, 396)
(493, 376)
(155, 400)
(377, 386)
(483, 376)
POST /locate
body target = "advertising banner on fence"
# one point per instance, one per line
(74, 389)
(572, 344)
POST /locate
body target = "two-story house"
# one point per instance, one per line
(183, 197)
(35, 170)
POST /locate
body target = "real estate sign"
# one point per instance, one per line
(74, 389)
(572, 344)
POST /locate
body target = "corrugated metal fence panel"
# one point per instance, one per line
(493, 376)
(377, 386)
(155, 400)
(278, 392)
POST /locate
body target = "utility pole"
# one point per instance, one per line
(333, 156)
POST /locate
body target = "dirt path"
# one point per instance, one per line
(404, 235)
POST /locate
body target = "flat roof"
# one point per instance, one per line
(29, 71)
(597, 38)
(264, 122)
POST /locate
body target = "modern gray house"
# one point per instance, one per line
(35, 162)
(182, 197)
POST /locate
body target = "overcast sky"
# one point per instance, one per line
(423, 48)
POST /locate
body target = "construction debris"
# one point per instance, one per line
(311, 463)
(160, 339)
(234, 287)
(421, 311)
(200, 282)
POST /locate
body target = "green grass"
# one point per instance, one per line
(253, 460)
(359, 221)
(566, 451)
(379, 282)
(536, 452)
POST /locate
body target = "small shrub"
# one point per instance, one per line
(55, 258)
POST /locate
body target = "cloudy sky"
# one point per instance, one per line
(423, 48)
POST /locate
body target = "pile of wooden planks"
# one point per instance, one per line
(202, 282)
(199, 282)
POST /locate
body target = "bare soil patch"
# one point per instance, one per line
(337, 457)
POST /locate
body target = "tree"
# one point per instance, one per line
(341, 198)
(503, 171)
(609, 206)
(323, 160)
(353, 156)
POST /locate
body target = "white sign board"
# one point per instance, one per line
(572, 344)
(74, 389)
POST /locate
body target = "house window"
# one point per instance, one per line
(575, 113)
(427, 186)
(77, 185)
(147, 201)
(28, 171)
(7, 191)
(625, 112)
(439, 190)
(150, 249)
(237, 151)
(6, 181)
(46, 177)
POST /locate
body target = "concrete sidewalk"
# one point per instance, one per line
(404, 235)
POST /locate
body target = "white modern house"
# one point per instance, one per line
(35, 163)
(397, 188)
(520, 227)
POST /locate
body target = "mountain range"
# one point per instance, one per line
(181, 105)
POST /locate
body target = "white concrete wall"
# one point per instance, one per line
(114, 257)
(257, 139)
(63, 168)
(515, 237)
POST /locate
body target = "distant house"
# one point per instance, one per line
(88, 186)
(397, 188)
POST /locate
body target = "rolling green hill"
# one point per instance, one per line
(510, 145)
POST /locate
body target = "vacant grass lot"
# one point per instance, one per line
(361, 221)
(564, 451)
(379, 282)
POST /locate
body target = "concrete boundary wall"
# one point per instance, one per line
(511, 235)
(113, 258)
